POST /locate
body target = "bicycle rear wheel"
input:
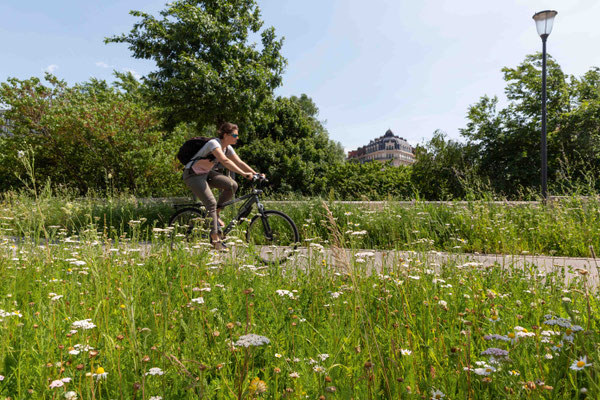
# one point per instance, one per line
(189, 225)
(275, 236)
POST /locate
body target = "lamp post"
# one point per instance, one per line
(543, 23)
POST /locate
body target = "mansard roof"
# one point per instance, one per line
(389, 137)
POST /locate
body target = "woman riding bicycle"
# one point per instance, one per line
(200, 176)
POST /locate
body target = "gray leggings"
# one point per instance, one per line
(201, 185)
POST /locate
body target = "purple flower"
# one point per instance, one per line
(493, 351)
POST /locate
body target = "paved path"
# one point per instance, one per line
(378, 260)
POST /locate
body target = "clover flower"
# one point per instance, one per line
(252, 340)
(56, 384)
(59, 383)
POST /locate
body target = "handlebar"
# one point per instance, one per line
(259, 178)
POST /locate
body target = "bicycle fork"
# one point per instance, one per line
(265, 221)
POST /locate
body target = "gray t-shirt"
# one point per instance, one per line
(207, 149)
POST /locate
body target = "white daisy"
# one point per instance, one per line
(580, 364)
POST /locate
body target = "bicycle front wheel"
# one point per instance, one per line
(274, 235)
(189, 225)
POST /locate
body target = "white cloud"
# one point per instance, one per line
(51, 68)
(102, 64)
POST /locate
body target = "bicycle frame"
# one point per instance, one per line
(245, 209)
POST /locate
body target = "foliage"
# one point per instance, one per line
(90, 136)
(439, 166)
(208, 71)
(506, 142)
(291, 146)
(372, 181)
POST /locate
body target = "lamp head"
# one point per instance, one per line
(543, 22)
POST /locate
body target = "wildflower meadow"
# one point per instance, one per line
(101, 312)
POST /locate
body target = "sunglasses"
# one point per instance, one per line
(234, 135)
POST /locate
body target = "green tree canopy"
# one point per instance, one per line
(507, 141)
(291, 145)
(440, 168)
(88, 136)
(208, 71)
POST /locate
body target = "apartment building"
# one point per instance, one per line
(385, 148)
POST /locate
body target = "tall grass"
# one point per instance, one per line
(564, 227)
(102, 316)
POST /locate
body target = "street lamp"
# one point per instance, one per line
(543, 22)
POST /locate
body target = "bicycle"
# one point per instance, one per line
(273, 233)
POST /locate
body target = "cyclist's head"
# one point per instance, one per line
(227, 128)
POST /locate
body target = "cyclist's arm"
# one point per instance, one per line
(242, 165)
(230, 165)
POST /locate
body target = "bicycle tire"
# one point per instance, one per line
(280, 244)
(188, 224)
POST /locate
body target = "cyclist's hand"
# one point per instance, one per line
(259, 178)
(248, 175)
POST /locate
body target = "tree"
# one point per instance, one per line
(291, 145)
(208, 72)
(89, 136)
(507, 142)
(440, 167)
(577, 136)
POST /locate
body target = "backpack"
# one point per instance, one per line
(189, 149)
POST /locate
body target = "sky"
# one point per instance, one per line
(410, 66)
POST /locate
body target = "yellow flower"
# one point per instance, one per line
(122, 306)
(100, 370)
(257, 386)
